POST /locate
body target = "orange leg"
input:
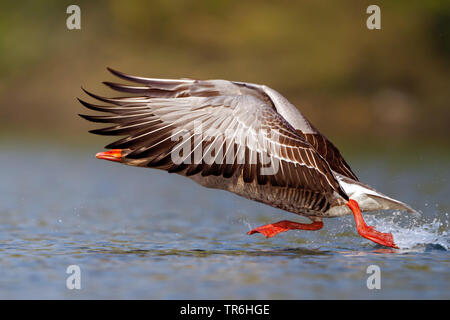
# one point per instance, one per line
(270, 230)
(369, 232)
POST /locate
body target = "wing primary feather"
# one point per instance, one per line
(148, 81)
(166, 106)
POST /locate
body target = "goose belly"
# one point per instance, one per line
(298, 201)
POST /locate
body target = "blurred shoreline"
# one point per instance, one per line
(369, 91)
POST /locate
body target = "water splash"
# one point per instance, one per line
(414, 233)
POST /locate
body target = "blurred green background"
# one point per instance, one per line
(365, 89)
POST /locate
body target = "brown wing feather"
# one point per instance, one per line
(330, 153)
(304, 128)
(165, 108)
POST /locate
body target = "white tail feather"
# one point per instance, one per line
(368, 198)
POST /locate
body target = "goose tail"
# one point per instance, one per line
(370, 199)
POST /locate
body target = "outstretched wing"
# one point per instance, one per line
(304, 127)
(212, 127)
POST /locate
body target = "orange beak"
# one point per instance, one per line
(111, 155)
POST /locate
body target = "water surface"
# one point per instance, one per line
(141, 233)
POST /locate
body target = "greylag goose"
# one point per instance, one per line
(240, 137)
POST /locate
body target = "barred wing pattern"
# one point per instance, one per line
(164, 116)
(331, 154)
(304, 127)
